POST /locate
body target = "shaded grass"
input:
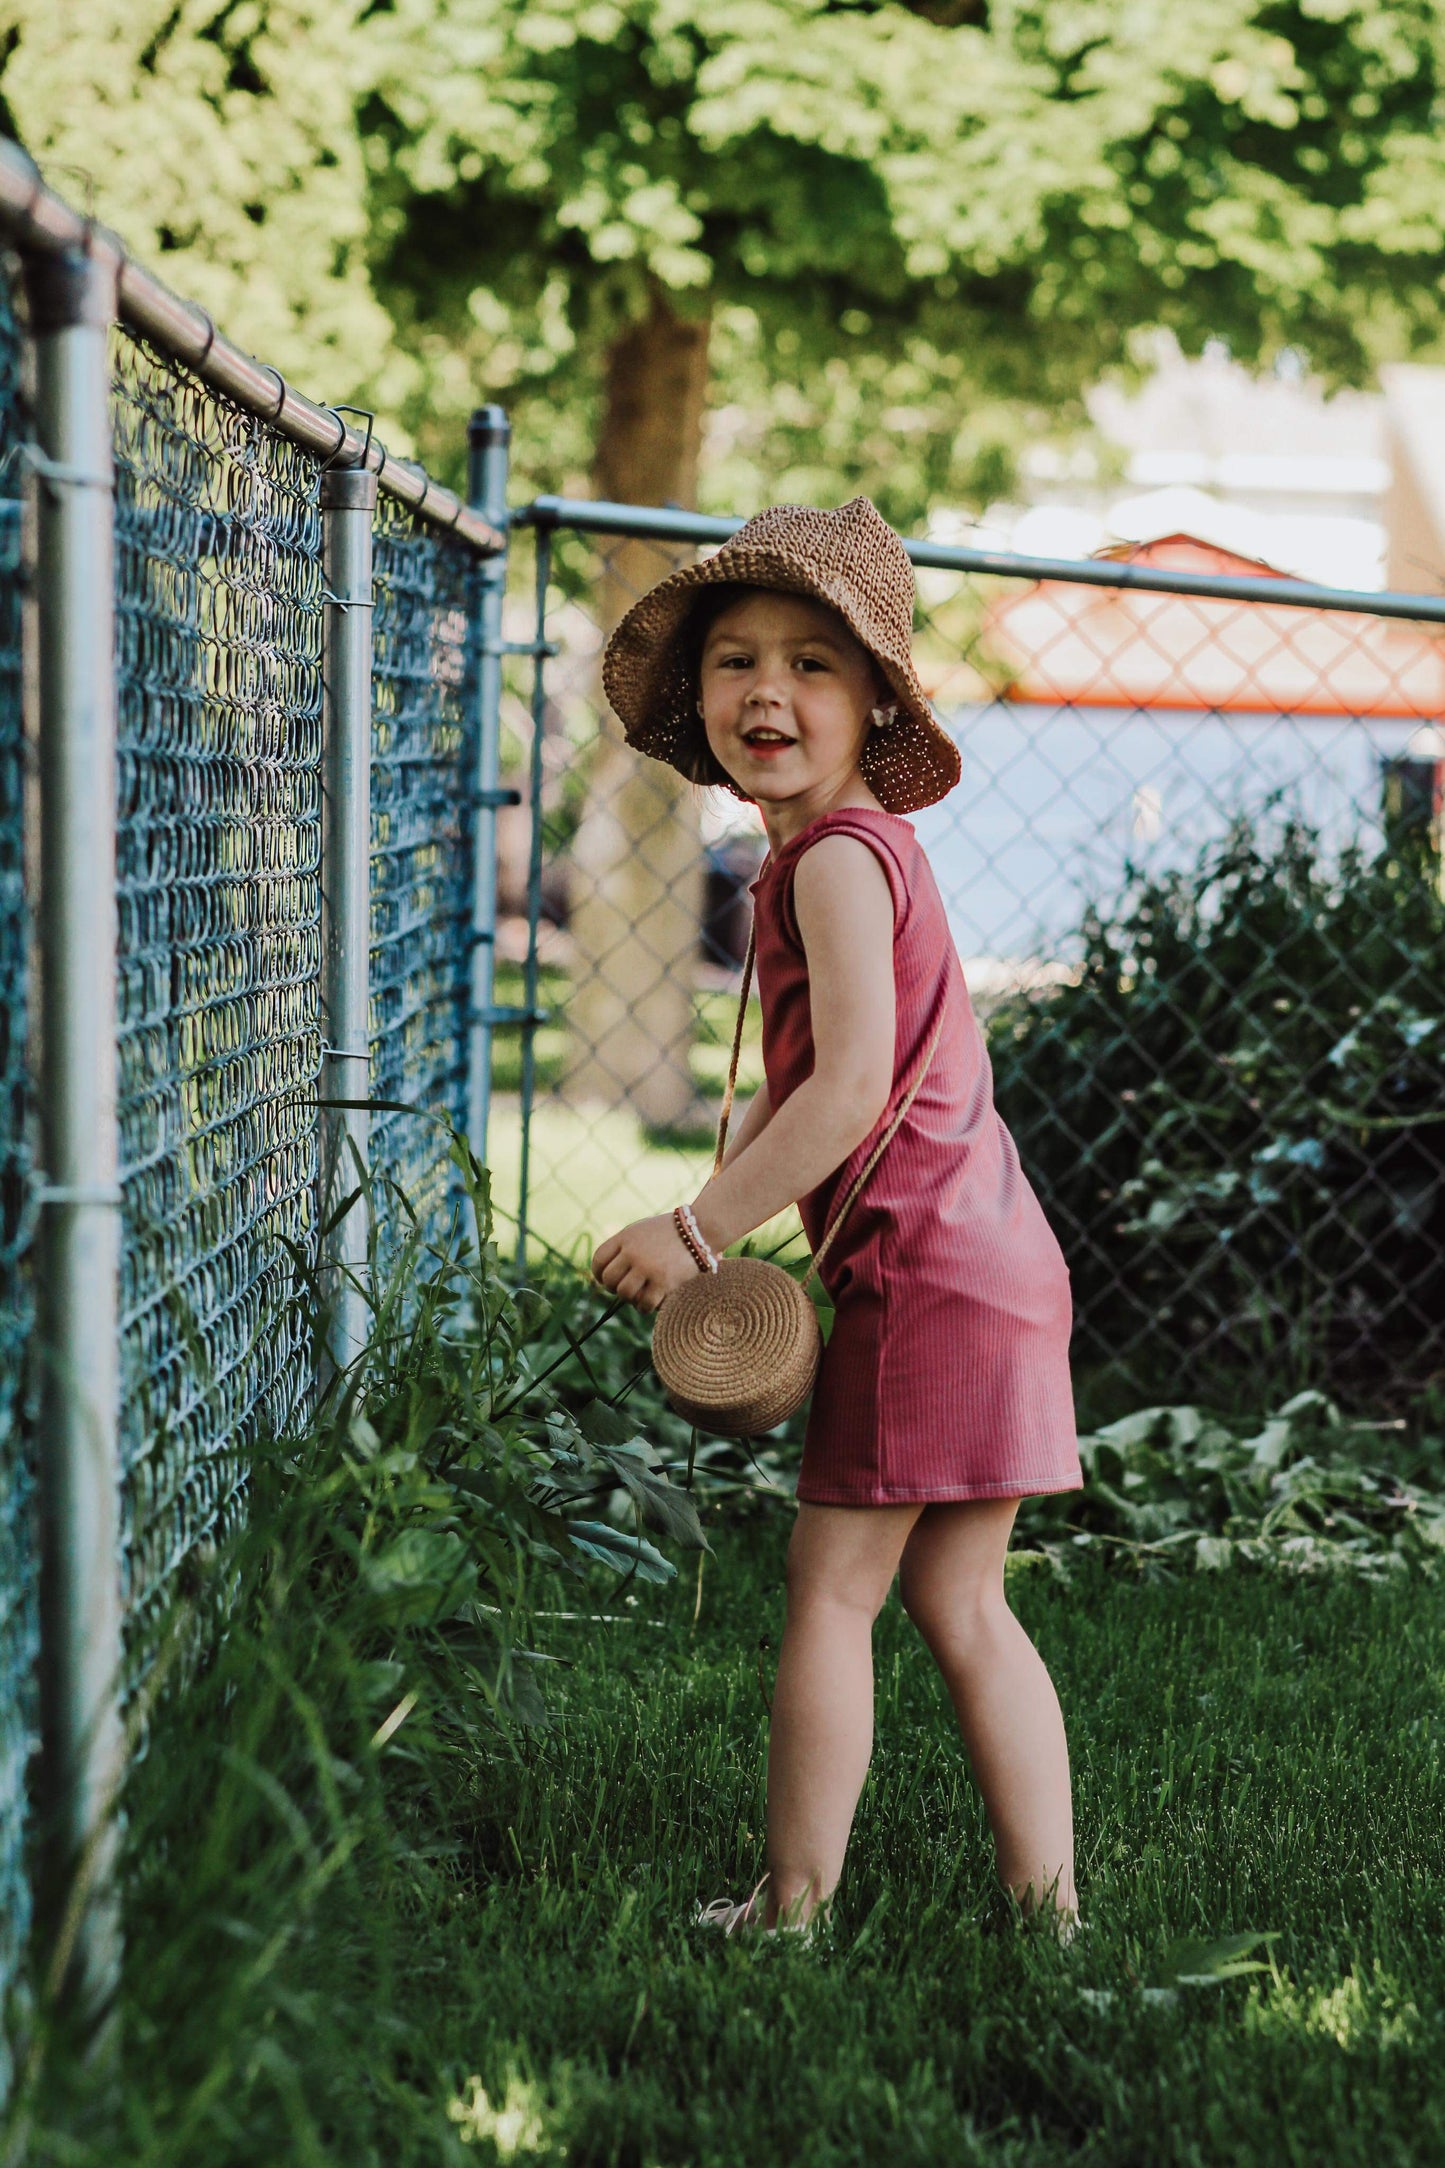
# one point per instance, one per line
(507, 1972)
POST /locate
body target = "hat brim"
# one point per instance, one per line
(648, 676)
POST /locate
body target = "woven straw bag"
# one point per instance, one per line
(737, 1350)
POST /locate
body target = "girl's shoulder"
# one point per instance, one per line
(889, 836)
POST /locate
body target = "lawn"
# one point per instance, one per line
(1252, 1756)
(517, 1980)
(592, 1170)
(595, 1167)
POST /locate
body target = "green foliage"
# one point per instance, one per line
(921, 229)
(461, 1464)
(1231, 1116)
(218, 137)
(904, 217)
(356, 1663)
(593, 1352)
(1309, 1491)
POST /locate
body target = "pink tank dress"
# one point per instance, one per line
(946, 1373)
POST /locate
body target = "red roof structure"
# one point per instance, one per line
(1063, 643)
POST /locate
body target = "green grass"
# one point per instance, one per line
(359, 1971)
(592, 1170)
(1239, 1768)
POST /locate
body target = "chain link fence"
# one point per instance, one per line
(1193, 871)
(424, 755)
(218, 623)
(221, 696)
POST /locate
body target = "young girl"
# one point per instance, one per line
(781, 668)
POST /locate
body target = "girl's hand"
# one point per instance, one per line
(644, 1262)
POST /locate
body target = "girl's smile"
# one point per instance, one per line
(760, 740)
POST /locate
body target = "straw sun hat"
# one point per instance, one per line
(852, 560)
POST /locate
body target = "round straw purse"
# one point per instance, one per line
(737, 1349)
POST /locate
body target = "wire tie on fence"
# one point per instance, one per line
(342, 433)
(210, 323)
(35, 194)
(243, 450)
(346, 1053)
(57, 475)
(348, 602)
(82, 174)
(77, 1193)
(269, 369)
(344, 406)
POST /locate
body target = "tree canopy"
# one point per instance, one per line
(219, 138)
(907, 223)
(921, 211)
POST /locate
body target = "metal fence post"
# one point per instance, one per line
(489, 436)
(531, 1013)
(348, 501)
(72, 299)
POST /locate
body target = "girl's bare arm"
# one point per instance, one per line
(754, 1119)
(845, 916)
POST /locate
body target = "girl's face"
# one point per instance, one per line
(787, 695)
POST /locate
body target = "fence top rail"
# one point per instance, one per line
(33, 218)
(659, 523)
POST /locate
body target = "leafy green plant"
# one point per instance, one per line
(1310, 1490)
(457, 1448)
(581, 1362)
(1232, 1117)
(358, 1654)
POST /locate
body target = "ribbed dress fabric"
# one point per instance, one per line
(946, 1373)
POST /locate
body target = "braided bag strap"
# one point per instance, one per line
(727, 1105)
(877, 1152)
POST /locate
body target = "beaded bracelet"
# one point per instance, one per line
(692, 1235)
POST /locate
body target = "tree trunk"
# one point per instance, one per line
(638, 893)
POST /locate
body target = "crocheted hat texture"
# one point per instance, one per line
(850, 559)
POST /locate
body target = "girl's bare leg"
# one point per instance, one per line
(951, 1584)
(841, 1563)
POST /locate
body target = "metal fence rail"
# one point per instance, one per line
(1193, 870)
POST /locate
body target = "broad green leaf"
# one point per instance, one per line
(421, 1574)
(619, 1548)
(604, 1425)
